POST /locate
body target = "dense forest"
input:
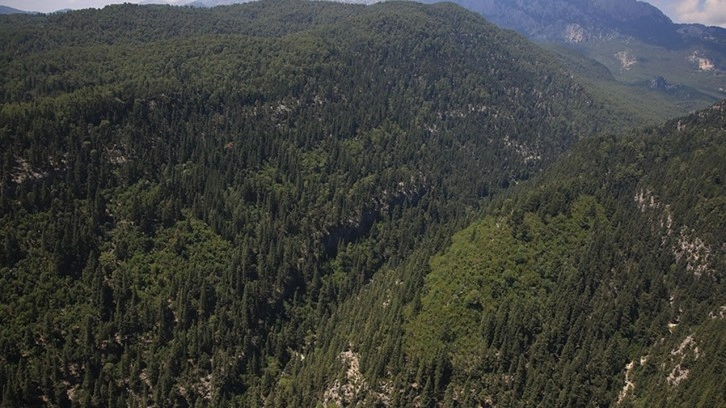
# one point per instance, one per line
(258, 205)
(598, 283)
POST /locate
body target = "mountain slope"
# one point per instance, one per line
(188, 195)
(608, 271)
(633, 39)
(599, 283)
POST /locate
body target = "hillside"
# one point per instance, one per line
(634, 40)
(189, 195)
(599, 283)
(602, 284)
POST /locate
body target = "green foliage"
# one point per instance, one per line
(602, 262)
(189, 194)
(231, 207)
(518, 259)
(562, 284)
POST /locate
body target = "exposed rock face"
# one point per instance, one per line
(344, 393)
(575, 33)
(696, 253)
(690, 248)
(688, 349)
(703, 63)
(627, 60)
(629, 384)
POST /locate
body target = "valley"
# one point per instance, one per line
(294, 203)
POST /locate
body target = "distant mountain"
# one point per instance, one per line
(633, 39)
(196, 3)
(574, 21)
(579, 21)
(166, 2)
(215, 3)
(10, 10)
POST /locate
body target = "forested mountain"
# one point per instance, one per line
(602, 284)
(679, 66)
(659, 68)
(190, 196)
(599, 283)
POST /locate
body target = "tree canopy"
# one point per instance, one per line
(232, 206)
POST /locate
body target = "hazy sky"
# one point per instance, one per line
(709, 12)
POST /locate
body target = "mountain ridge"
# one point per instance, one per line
(596, 20)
